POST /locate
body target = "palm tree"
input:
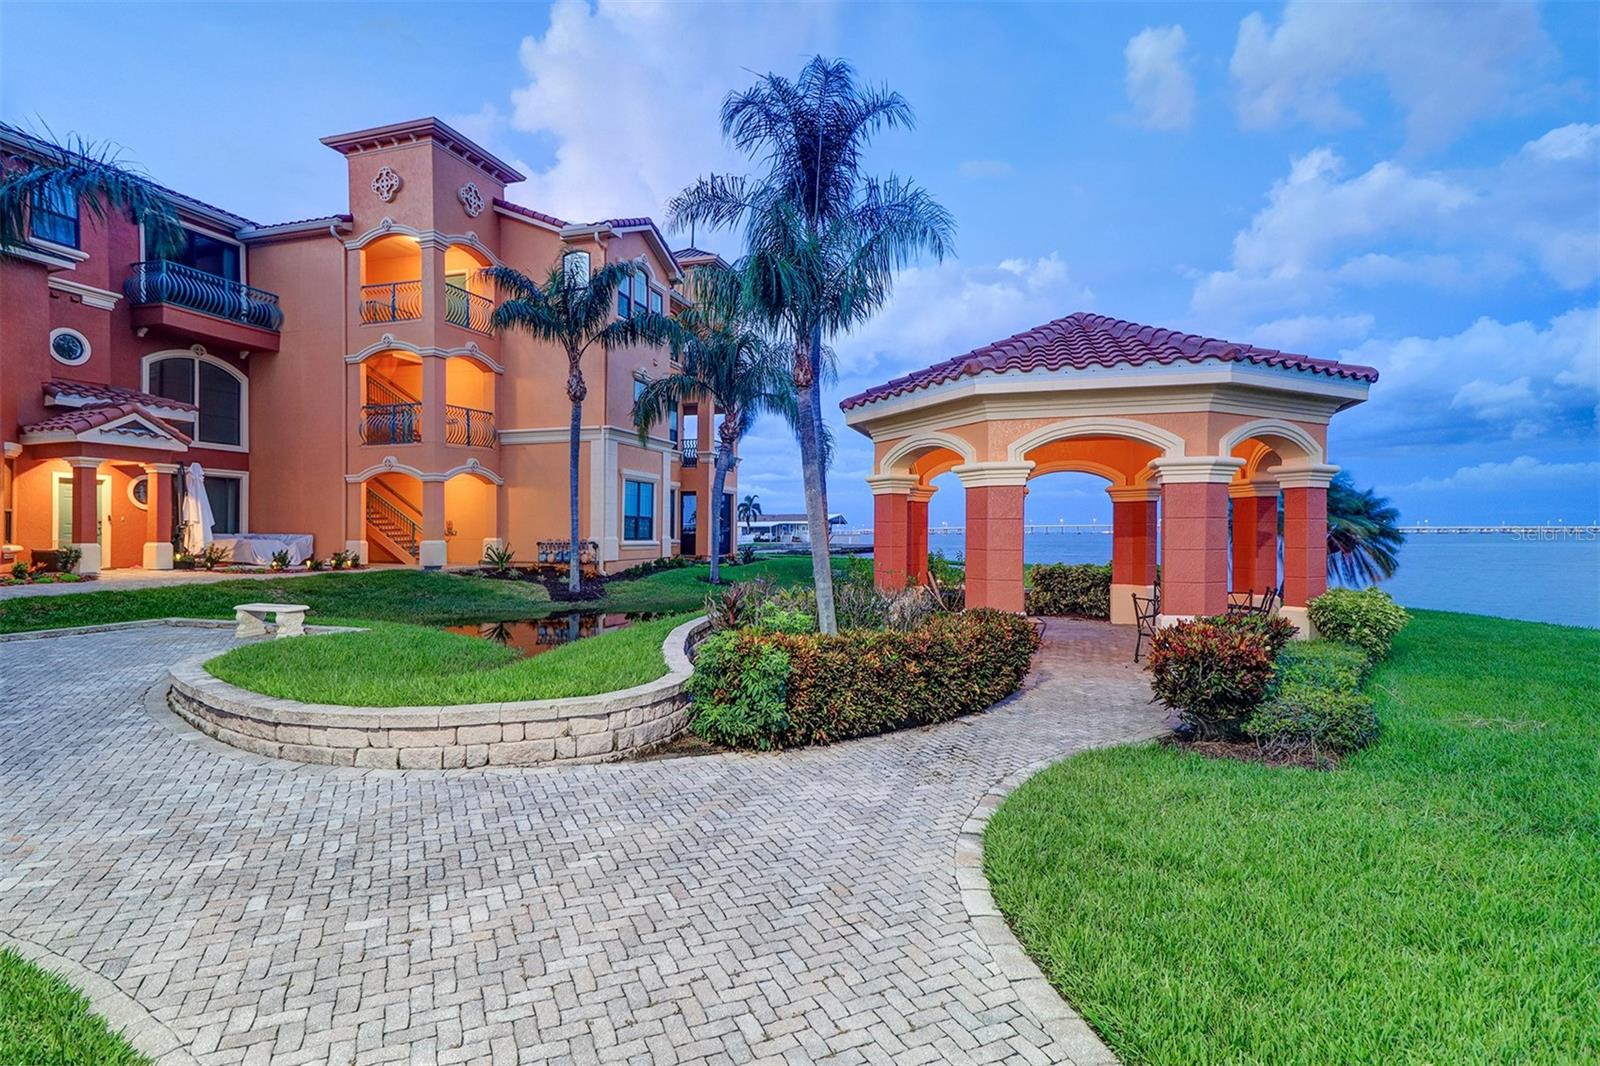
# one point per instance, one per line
(1363, 535)
(745, 376)
(749, 511)
(575, 309)
(823, 240)
(80, 172)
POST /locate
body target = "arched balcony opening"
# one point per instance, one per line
(469, 389)
(468, 296)
(392, 517)
(391, 398)
(471, 518)
(391, 280)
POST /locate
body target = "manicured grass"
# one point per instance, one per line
(1434, 900)
(44, 1022)
(383, 595)
(410, 666)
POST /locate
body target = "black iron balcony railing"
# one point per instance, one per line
(689, 454)
(467, 309)
(469, 426)
(391, 423)
(159, 282)
(391, 301)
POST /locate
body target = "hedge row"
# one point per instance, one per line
(1081, 589)
(764, 689)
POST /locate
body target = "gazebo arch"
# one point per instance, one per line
(1177, 423)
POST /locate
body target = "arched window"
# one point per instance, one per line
(209, 385)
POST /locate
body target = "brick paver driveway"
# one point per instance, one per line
(798, 907)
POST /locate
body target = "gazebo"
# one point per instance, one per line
(1197, 437)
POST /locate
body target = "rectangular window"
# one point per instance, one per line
(206, 253)
(226, 497)
(53, 216)
(672, 424)
(638, 390)
(576, 267)
(672, 512)
(638, 510)
(624, 305)
(655, 300)
(641, 293)
(221, 406)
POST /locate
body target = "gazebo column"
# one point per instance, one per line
(1305, 538)
(85, 513)
(1255, 535)
(1194, 535)
(891, 497)
(1133, 547)
(158, 515)
(995, 492)
(432, 552)
(917, 534)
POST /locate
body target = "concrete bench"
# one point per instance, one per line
(252, 619)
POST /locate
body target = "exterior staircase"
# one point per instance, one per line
(393, 525)
(391, 415)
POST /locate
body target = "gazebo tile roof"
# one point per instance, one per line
(1082, 341)
(83, 419)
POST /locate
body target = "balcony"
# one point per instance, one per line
(469, 426)
(193, 303)
(689, 454)
(391, 423)
(391, 301)
(467, 309)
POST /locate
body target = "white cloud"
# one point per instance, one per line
(628, 93)
(1159, 85)
(1310, 333)
(1444, 65)
(1491, 382)
(1523, 472)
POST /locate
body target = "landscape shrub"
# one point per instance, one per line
(1312, 718)
(1368, 618)
(280, 560)
(68, 558)
(653, 566)
(499, 557)
(1320, 663)
(1277, 631)
(1081, 589)
(1212, 676)
(857, 683)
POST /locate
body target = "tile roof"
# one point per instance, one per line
(528, 212)
(111, 394)
(86, 418)
(1081, 341)
(693, 253)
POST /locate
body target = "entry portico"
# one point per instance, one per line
(1184, 429)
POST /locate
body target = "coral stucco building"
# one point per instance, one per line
(334, 376)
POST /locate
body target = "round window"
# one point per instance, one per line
(69, 346)
(139, 491)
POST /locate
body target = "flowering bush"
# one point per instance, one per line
(856, 683)
(1211, 675)
(1367, 618)
(1275, 630)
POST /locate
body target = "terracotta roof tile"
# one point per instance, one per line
(528, 212)
(86, 418)
(1081, 341)
(110, 394)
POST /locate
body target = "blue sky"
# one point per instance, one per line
(1413, 187)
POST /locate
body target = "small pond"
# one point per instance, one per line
(538, 635)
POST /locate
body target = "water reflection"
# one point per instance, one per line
(538, 635)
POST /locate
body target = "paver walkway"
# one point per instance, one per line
(797, 908)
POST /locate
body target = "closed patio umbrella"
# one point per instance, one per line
(196, 513)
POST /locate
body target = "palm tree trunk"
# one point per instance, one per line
(574, 578)
(719, 478)
(815, 478)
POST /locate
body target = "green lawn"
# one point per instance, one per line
(410, 666)
(384, 596)
(1435, 900)
(43, 1022)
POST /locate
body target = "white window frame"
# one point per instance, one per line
(201, 355)
(652, 541)
(243, 478)
(88, 349)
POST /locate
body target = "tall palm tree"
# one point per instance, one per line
(90, 174)
(823, 239)
(1363, 535)
(576, 309)
(744, 375)
(749, 510)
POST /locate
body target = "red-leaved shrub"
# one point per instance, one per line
(1213, 676)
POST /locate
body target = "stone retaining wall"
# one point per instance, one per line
(612, 725)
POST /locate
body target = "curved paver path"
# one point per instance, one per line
(799, 907)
